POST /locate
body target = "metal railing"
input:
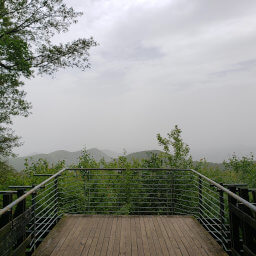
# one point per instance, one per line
(227, 216)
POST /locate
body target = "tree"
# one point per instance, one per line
(26, 31)
(180, 157)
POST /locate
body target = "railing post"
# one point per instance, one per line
(234, 224)
(247, 230)
(4, 219)
(56, 197)
(200, 198)
(21, 208)
(222, 215)
(172, 193)
(89, 185)
(34, 218)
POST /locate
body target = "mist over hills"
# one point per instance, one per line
(72, 158)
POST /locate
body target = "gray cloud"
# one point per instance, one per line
(159, 63)
(237, 67)
(133, 53)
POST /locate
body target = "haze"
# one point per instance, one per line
(159, 63)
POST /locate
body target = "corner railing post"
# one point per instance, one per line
(247, 230)
(234, 224)
(222, 215)
(200, 198)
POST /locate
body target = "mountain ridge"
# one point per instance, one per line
(69, 157)
(72, 158)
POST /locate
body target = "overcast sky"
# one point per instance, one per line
(159, 63)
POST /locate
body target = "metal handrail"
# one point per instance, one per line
(18, 200)
(30, 192)
(238, 198)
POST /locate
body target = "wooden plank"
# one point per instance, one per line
(112, 237)
(128, 241)
(173, 250)
(122, 238)
(134, 247)
(199, 234)
(144, 237)
(83, 235)
(74, 238)
(149, 236)
(54, 237)
(117, 237)
(193, 237)
(107, 236)
(65, 241)
(191, 249)
(190, 237)
(93, 227)
(154, 236)
(101, 236)
(138, 236)
(96, 236)
(91, 242)
(207, 241)
(174, 236)
(160, 237)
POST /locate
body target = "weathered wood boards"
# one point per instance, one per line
(128, 235)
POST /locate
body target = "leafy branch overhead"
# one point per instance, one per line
(27, 28)
(26, 31)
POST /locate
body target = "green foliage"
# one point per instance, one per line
(86, 161)
(180, 158)
(26, 47)
(155, 161)
(245, 164)
(10, 177)
(245, 167)
(134, 192)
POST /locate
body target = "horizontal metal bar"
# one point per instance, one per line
(8, 192)
(43, 174)
(40, 205)
(30, 192)
(20, 187)
(125, 169)
(238, 198)
(36, 240)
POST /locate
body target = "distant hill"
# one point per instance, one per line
(147, 154)
(110, 153)
(72, 158)
(52, 158)
(142, 155)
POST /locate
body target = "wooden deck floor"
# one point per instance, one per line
(128, 235)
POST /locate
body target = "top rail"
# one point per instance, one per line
(238, 198)
(18, 200)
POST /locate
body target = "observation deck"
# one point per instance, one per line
(87, 211)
